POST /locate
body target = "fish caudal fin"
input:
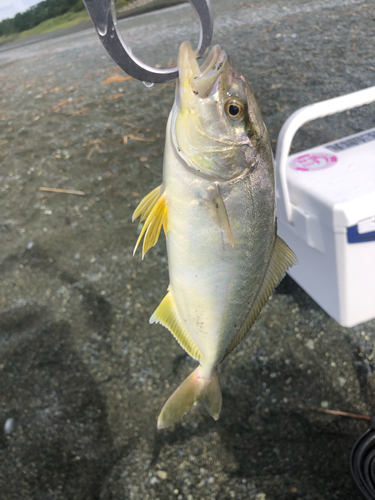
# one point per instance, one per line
(195, 388)
(154, 209)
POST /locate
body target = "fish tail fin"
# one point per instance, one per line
(193, 389)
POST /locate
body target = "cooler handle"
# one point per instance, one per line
(306, 114)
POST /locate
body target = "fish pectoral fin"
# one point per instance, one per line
(147, 204)
(154, 209)
(222, 214)
(167, 315)
(193, 389)
(282, 259)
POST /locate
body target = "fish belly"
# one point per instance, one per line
(214, 283)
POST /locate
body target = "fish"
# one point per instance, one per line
(217, 207)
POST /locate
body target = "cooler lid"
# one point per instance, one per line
(335, 181)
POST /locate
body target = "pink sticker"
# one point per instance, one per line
(316, 161)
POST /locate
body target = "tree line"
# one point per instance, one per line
(37, 14)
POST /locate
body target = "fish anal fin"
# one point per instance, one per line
(282, 259)
(154, 209)
(167, 315)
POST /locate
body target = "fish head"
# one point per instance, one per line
(217, 128)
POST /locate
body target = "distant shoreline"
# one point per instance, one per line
(135, 9)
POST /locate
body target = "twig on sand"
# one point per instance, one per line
(117, 78)
(66, 191)
(136, 138)
(335, 412)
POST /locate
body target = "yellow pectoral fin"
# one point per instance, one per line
(147, 204)
(154, 209)
(167, 315)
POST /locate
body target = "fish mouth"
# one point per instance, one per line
(200, 79)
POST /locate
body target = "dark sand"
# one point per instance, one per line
(82, 373)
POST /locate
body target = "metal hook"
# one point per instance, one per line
(103, 15)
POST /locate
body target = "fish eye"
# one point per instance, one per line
(234, 108)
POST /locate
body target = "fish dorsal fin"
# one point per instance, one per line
(282, 258)
(154, 209)
(167, 315)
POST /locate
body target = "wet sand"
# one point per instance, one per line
(82, 373)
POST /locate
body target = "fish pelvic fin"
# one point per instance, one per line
(193, 389)
(167, 315)
(154, 209)
(282, 259)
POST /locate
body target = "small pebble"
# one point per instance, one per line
(162, 474)
(9, 426)
(324, 404)
(342, 381)
(30, 245)
(310, 344)
(77, 255)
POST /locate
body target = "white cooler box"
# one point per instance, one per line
(326, 212)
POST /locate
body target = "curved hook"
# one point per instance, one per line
(103, 15)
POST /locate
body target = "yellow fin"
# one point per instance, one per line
(154, 209)
(167, 315)
(282, 259)
(147, 204)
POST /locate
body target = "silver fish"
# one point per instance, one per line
(217, 207)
